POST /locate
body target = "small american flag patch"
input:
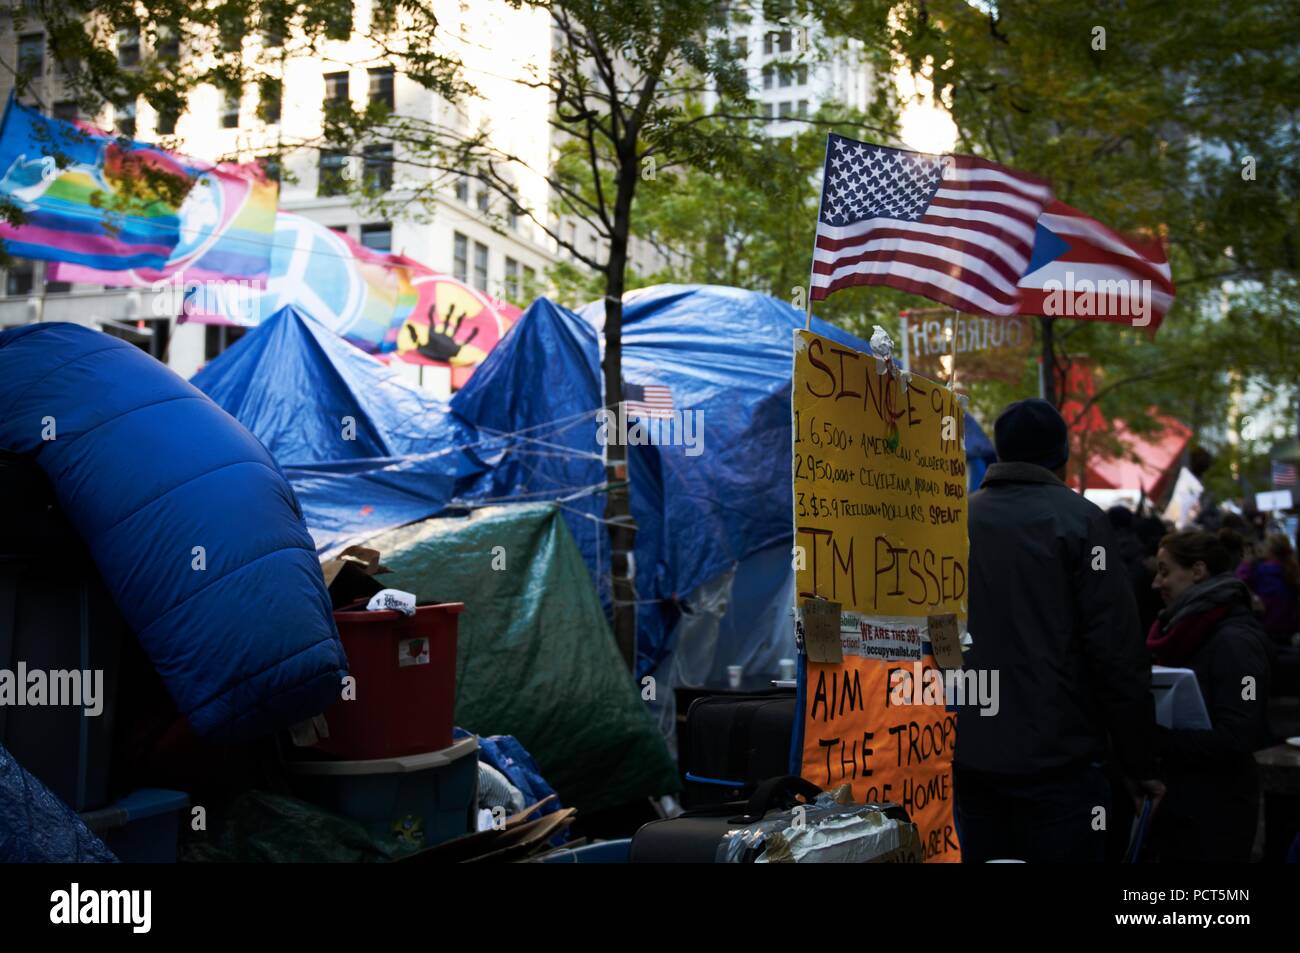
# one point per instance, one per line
(648, 400)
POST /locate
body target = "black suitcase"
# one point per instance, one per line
(738, 832)
(733, 742)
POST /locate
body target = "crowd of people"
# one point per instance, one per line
(1074, 606)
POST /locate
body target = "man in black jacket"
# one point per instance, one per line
(1051, 610)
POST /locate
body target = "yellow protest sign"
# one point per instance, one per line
(880, 528)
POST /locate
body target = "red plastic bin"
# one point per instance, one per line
(405, 671)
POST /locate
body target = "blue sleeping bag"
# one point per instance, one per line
(190, 521)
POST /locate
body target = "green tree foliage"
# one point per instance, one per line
(1170, 119)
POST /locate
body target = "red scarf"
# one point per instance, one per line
(1179, 642)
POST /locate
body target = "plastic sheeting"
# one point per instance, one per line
(190, 522)
(311, 397)
(525, 428)
(38, 828)
(535, 656)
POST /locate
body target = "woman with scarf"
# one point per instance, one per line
(1211, 809)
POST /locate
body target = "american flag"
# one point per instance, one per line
(1283, 473)
(957, 229)
(647, 400)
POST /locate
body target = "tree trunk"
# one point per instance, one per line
(618, 500)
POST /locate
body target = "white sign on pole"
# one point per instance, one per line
(1273, 500)
(1186, 499)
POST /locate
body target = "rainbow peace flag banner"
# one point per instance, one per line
(227, 228)
(80, 192)
(361, 294)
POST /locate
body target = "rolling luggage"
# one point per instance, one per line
(773, 827)
(733, 742)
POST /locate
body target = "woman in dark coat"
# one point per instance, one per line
(1211, 809)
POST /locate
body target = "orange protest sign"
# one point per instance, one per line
(880, 532)
(887, 752)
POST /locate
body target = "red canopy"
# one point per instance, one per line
(1146, 463)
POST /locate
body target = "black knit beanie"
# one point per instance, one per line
(1032, 431)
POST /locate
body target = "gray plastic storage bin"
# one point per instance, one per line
(428, 798)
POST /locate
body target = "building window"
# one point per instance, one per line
(379, 168)
(336, 88)
(460, 257)
(149, 336)
(230, 109)
(769, 73)
(167, 119)
(268, 103)
(67, 111)
(530, 284)
(378, 237)
(803, 109)
(786, 110)
(169, 44)
(332, 179)
(462, 190)
(218, 337)
(512, 279)
(124, 120)
(767, 110)
(483, 198)
(57, 287)
(31, 54)
(801, 76)
(774, 42)
(128, 46)
(786, 78)
(742, 47)
(20, 278)
(381, 86)
(273, 32)
(480, 266)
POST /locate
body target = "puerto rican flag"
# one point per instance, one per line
(1082, 269)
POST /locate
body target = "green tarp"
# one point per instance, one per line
(536, 658)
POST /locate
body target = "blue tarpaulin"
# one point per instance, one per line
(38, 828)
(525, 428)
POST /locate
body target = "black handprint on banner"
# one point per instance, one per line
(442, 345)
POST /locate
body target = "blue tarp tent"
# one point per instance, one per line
(330, 402)
(191, 523)
(714, 527)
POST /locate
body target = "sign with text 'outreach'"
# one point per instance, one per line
(880, 549)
